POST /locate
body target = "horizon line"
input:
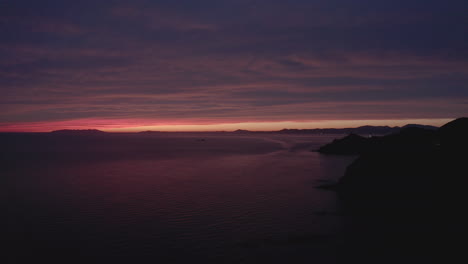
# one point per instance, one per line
(140, 125)
(122, 130)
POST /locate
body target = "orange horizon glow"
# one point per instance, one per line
(138, 125)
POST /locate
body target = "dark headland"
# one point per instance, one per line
(405, 195)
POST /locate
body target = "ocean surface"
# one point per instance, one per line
(169, 198)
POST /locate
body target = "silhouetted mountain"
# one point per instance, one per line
(375, 130)
(150, 132)
(242, 131)
(409, 185)
(402, 148)
(407, 139)
(454, 134)
(420, 126)
(78, 132)
(378, 130)
(362, 130)
(349, 145)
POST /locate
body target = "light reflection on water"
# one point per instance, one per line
(233, 199)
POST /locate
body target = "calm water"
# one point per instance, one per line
(169, 198)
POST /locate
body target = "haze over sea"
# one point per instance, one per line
(170, 198)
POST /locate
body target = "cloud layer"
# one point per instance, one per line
(209, 62)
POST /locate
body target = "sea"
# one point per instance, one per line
(169, 198)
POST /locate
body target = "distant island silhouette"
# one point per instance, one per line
(78, 132)
(362, 130)
(411, 188)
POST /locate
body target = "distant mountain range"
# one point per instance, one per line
(378, 130)
(362, 130)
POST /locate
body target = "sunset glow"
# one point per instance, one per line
(147, 125)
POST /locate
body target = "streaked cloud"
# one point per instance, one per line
(231, 61)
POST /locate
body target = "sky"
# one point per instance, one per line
(223, 65)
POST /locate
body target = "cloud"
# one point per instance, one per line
(232, 60)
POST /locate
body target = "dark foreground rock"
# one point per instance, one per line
(409, 164)
(350, 145)
(404, 197)
(408, 139)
